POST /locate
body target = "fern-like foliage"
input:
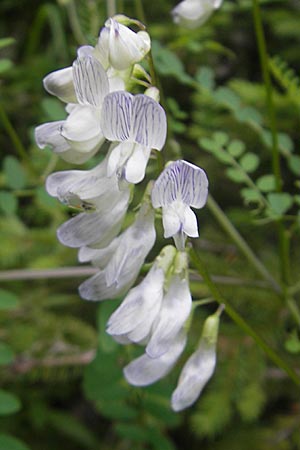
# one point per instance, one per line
(286, 77)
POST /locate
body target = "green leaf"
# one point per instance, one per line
(294, 164)
(235, 175)
(251, 195)
(8, 203)
(251, 401)
(280, 202)
(208, 144)
(133, 432)
(205, 77)
(222, 156)
(266, 183)
(292, 344)
(53, 109)
(6, 354)
(227, 97)
(117, 410)
(106, 342)
(285, 143)
(9, 403)
(14, 173)
(5, 42)
(220, 138)
(5, 65)
(236, 148)
(168, 63)
(8, 300)
(249, 162)
(250, 115)
(8, 442)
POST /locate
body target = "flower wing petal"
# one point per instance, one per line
(60, 84)
(176, 307)
(145, 370)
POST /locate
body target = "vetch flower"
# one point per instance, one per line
(135, 316)
(120, 47)
(178, 187)
(175, 308)
(199, 368)
(139, 123)
(145, 370)
(125, 263)
(78, 137)
(193, 13)
(87, 189)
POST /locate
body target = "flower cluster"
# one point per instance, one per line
(100, 108)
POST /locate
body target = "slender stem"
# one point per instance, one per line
(235, 316)
(20, 149)
(241, 243)
(263, 55)
(111, 8)
(75, 23)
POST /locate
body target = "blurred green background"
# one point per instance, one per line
(53, 393)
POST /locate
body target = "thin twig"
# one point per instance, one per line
(24, 365)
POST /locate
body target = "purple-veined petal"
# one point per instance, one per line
(60, 84)
(181, 181)
(175, 309)
(138, 119)
(149, 123)
(116, 116)
(90, 81)
(145, 370)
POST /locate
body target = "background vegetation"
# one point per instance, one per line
(60, 374)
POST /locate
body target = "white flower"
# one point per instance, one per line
(136, 314)
(87, 189)
(193, 13)
(121, 47)
(139, 123)
(78, 137)
(124, 265)
(145, 370)
(175, 309)
(199, 368)
(178, 187)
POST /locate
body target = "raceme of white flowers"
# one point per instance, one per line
(193, 13)
(155, 312)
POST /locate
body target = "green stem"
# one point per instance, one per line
(263, 55)
(241, 243)
(235, 316)
(111, 8)
(75, 23)
(20, 149)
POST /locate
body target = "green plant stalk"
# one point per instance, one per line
(241, 243)
(262, 48)
(111, 8)
(20, 149)
(75, 23)
(235, 316)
